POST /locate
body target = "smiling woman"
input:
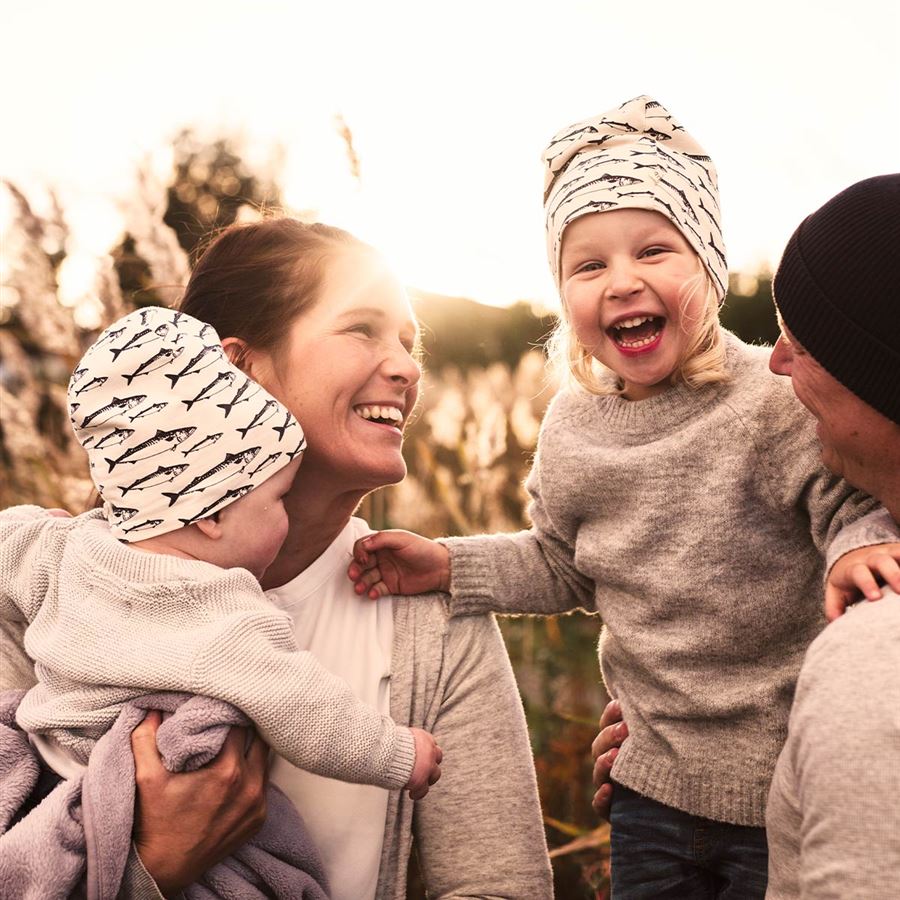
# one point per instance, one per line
(347, 366)
(320, 320)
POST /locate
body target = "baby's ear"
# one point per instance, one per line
(210, 527)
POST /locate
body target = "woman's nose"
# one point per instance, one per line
(402, 366)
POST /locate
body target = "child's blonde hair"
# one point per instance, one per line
(703, 360)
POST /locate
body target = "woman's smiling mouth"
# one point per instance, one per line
(380, 414)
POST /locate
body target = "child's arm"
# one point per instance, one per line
(529, 572)
(855, 573)
(398, 562)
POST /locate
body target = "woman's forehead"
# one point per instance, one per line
(362, 284)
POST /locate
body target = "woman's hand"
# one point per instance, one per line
(604, 751)
(427, 768)
(398, 562)
(186, 822)
(857, 572)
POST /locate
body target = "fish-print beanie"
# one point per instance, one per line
(837, 290)
(635, 157)
(174, 431)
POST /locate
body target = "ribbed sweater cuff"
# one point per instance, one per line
(404, 759)
(470, 593)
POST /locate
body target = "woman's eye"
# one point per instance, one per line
(362, 328)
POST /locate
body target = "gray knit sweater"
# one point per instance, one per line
(834, 817)
(696, 523)
(109, 623)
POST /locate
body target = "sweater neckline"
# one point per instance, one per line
(670, 409)
(667, 410)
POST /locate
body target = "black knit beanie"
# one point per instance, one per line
(838, 290)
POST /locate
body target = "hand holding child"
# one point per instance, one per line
(398, 562)
(604, 750)
(427, 768)
(857, 572)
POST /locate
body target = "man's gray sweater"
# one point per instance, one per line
(696, 523)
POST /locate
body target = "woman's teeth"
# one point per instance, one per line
(389, 414)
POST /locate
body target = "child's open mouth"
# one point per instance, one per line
(637, 333)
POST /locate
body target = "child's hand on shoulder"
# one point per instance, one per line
(398, 562)
(856, 574)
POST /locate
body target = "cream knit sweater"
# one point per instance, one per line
(696, 523)
(109, 623)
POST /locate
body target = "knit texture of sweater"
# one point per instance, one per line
(695, 522)
(109, 623)
(479, 832)
(833, 819)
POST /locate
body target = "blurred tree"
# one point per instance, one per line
(463, 333)
(210, 184)
(748, 310)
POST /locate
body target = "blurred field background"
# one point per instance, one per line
(468, 448)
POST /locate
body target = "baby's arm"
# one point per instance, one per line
(306, 714)
(25, 532)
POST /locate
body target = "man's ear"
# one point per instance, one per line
(210, 527)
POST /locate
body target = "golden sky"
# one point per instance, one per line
(450, 106)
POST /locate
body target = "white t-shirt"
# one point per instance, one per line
(351, 637)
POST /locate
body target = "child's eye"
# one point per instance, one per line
(654, 251)
(592, 266)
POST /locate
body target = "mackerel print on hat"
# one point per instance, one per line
(637, 156)
(173, 430)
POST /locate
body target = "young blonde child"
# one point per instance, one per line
(677, 491)
(159, 591)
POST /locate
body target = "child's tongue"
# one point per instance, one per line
(638, 332)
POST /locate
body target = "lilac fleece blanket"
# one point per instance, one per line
(79, 837)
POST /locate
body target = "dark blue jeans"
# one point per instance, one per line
(661, 853)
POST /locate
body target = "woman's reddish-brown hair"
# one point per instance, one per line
(253, 280)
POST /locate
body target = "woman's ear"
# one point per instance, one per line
(236, 350)
(210, 527)
(254, 364)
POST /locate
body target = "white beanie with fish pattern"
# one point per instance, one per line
(174, 431)
(635, 157)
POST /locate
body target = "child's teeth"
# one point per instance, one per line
(633, 323)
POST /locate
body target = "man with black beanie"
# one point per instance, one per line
(833, 816)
